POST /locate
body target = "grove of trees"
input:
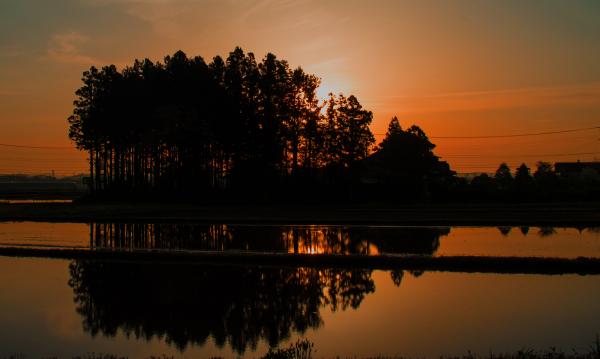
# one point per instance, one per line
(187, 126)
(242, 128)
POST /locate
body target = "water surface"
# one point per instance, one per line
(331, 239)
(65, 308)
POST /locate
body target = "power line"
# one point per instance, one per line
(54, 160)
(516, 155)
(38, 147)
(511, 135)
(377, 134)
(519, 134)
(42, 168)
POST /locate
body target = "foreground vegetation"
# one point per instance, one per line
(304, 349)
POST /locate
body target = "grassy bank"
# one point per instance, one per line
(479, 264)
(555, 214)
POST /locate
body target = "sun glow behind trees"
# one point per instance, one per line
(185, 125)
(460, 68)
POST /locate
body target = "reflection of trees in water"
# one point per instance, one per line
(364, 240)
(187, 304)
(542, 231)
(546, 231)
(294, 239)
(164, 236)
(397, 276)
(504, 230)
(410, 240)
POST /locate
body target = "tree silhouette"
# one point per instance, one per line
(239, 127)
(523, 181)
(483, 186)
(406, 159)
(185, 126)
(504, 178)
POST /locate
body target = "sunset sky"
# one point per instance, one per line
(455, 68)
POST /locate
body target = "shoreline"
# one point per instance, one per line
(531, 214)
(462, 264)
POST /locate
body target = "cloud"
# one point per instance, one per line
(9, 52)
(254, 8)
(583, 95)
(66, 48)
(163, 15)
(172, 18)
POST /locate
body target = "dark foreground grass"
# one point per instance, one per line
(304, 349)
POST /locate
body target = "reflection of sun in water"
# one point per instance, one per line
(321, 240)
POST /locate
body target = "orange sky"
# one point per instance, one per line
(455, 68)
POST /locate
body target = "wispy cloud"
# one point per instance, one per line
(66, 48)
(9, 52)
(172, 17)
(555, 96)
(327, 64)
(253, 8)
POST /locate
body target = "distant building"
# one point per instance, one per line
(575, 168)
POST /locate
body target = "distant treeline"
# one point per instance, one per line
(239, 128)
(546, 183)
